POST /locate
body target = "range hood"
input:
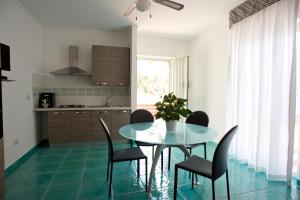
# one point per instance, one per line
(73, 69)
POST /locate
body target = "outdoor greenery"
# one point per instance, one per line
(171, 108)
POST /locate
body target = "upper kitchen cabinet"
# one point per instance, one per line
(110, 66)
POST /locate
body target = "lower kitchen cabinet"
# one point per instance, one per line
(119, 118)
(97, 130)
(78, 126)
(58, 127)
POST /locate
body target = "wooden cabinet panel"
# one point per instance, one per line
(119, 118)
(97, 130)
(75, 126)
(80, 125)
(58, 127)
(110, 66)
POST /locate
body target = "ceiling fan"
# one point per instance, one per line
(144, 5)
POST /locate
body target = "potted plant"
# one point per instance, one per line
(171, 109)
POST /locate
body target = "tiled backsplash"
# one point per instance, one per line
(90, 91)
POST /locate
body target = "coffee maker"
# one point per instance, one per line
(47, 100)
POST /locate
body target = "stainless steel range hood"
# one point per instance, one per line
(73, 69)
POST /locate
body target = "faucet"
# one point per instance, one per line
(107, 104)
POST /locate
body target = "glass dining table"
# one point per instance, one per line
(156, 133)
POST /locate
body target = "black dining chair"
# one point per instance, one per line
(141, 116)
(198, 118)
(209, 169)
(121, 155)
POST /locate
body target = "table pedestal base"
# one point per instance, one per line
(158, 152)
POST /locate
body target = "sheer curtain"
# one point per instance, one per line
(261, 96)
(179, 77)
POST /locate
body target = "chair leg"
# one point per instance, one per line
(190, 172)
(162, 160)
(131, 144)
(107, 172)
(193, 175)
(227, 180)
(110, 179)
(138, 168)
(213, 189)
(146, 171)
(169, 158)
(205, 150)
(152, 151)
(175, 183)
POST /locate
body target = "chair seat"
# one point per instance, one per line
(144, 144)
(128, 154)
(191, 146)
(197, 165)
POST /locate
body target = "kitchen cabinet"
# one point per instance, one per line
(97, 130)
(119, 118)
(82, 125)
(58, 127)
(110, 66)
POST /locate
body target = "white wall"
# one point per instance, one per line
(209, 54)
(23, 34)
(133, 71)
(161, 47)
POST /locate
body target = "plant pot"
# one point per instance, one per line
(171, 125)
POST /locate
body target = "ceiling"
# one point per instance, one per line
(196, 16)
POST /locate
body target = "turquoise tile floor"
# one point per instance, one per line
(79, 173)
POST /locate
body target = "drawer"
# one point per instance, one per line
(80, 114)
(58, 122)
(58, 114)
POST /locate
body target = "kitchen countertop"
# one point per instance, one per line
(83, 108)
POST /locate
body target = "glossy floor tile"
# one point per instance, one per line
(79, 173)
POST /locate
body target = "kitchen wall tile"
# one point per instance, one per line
(115, 91)
(97, 91)
(64, 92)
(72, 91)
(106, 91)
(57, 91)
(89, 92)
(81, 91)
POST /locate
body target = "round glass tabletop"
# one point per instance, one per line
(156, 133)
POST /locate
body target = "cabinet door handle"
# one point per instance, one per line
(77, 112)
(120, 84)
(123, 111)
(62, 112)
(56, 113)
(103, 83)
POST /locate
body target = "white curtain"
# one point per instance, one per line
(261, 97)
(179, 77)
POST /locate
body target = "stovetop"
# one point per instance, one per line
(72, 106)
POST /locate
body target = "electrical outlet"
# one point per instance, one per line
(16, 142)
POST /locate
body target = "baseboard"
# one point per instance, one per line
(10, 169)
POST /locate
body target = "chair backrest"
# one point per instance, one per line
(108, 138)
(219, 163)
(198, 118)
(140, 116)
